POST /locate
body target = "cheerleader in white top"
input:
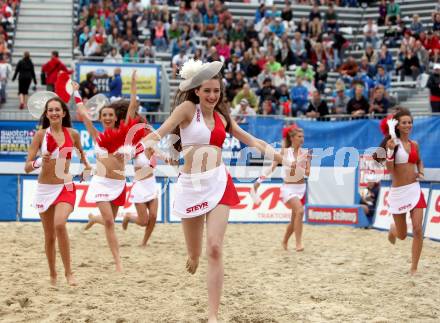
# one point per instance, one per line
(294, 187)
(406, 168)
(204, 189)
(108, 185)
(56, 194)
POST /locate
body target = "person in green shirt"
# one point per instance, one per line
(248, 94)
(393, 13)
(305, 72)
(274, 66)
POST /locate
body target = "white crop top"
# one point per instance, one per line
(196, 133)
(402, 156)
(290, 157)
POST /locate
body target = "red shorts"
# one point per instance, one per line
(421, 204)
(67, 196)
(230, 197)
(120, 200)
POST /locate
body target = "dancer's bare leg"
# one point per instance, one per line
(93, 219)
(47, 219)
(193, 231)
(299, 213)
(289, 229)
(216, 223)
(417, 244)
(151, 222)
(109, 212)
(398, 229)
(62, 212)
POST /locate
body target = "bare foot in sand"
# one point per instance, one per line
(212, 320)
(53, 280)
(284, 245)
(299, 248)
(71, 280)
(391, 236)
(191, 265)
(125, 221)
(413, 271)
(90, 223)
(119, 268)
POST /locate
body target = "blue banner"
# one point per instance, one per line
(8, 198)
(336, 142)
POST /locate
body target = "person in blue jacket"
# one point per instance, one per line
(115, 84)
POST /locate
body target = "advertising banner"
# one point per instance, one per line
(148, 77)
(82, 208)
(271, 210)
(334, 215)
(383, 218)
(8, 198)
(432, 229)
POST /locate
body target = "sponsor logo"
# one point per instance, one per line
(273, 194)
(197, 207)
(332, 215)
(436, 219)
(404, 207)
(101, 195)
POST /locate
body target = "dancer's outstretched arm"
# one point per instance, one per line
(133, 105)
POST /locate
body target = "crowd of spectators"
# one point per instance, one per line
(273, 64)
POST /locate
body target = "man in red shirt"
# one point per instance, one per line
(52, 68)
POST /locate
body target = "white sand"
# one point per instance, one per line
(344, 275)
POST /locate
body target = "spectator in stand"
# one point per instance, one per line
(331, 19)
(314, 13)
(195, 18)
(318, 55)
(365, 68)
(92, 48)
(210, 21)
(273, 65)
(260, 13)
(26, 74)
(370, 33)
(242, 110)
(303, 27)
(285, 55)
(410, 66)
(436, 23)
(380, 103)
(382, 13)
(349, 68)
(432, 44)
(267, 91)
(371, 56)
(299, 94)
(181, 17)
(283, 99)
(369, 200)
(286, 13)
(177, 62)
(115, 84)
(223, 49)
(391, 35)
(264, 75)
(113, 57)
(237, 83)
(267, 107)
(252, 72)
(281, 78)
(248, 94)
(422, 55)
(340, 98)
(385, 59)
(234, 65)
(393, 13)
(132, 56)
(358, 105)
(382, 78)
(317, 107)
(160, 37)
(87, 88)
(277, 27)
(321, 78)
(433, 85)
(416, 26)
(305, 72)
(52, 68)
(298, 48)
(146, 53)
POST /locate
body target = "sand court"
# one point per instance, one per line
(344, 275)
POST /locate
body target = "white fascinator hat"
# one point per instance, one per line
(195, 73)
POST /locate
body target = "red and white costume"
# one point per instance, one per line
(52, 194)
(291, 190)
(200, 193)
(143, 190)
(403, 199)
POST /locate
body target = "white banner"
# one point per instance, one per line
(272, 209)
(383, 217)
(432, 229)
(82, 208)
